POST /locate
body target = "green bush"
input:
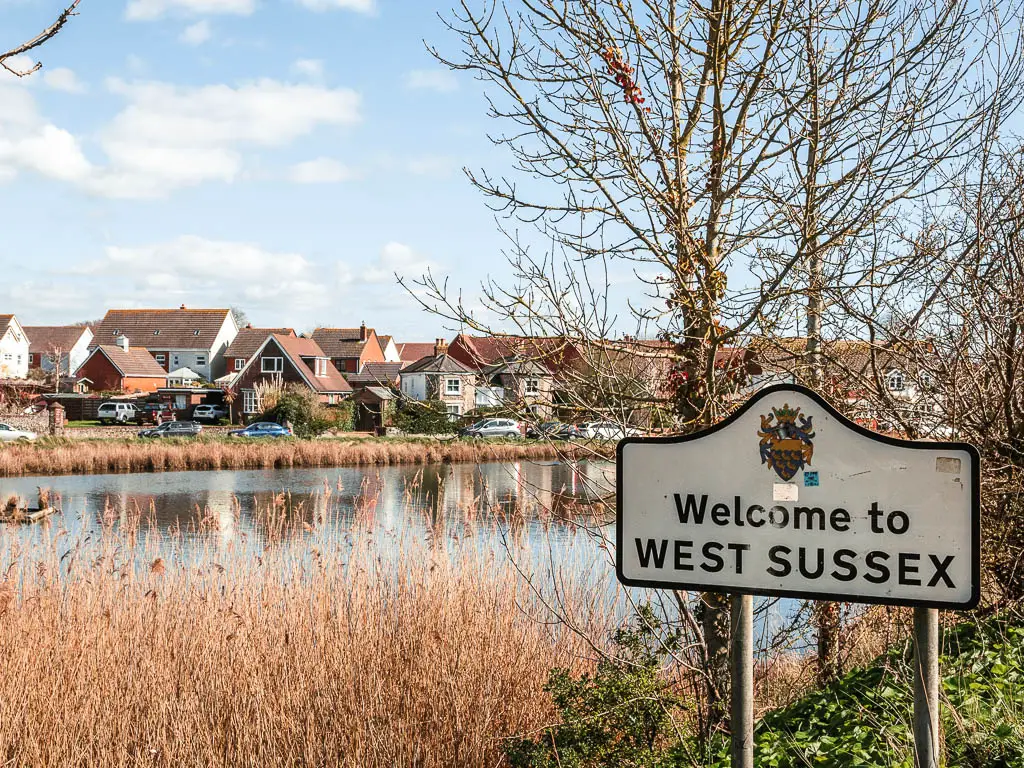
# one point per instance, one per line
(302, 410)
(621, 716)
(424, 417)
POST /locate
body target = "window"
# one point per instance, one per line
(250, 401)
(453, 386)
(533, 386)
(454, 411)
(200, 359)
(320, 368)
(161, 358)
(7, 357)
(272, 364)
(332, 399)
(895, 381)
(239, 363)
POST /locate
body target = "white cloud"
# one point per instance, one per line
(440, 80)
(20, 63)
(63, 79)
(193, 269)
(168, 136)
(322, 170)
(362, 6)
(309, 68)
(148, 10)
(430, 165)
(196, 34)
(397, 258)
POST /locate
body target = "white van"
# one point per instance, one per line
(120, 413)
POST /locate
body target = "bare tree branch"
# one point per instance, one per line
(47, 34)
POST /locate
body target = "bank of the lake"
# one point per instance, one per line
(75, 457)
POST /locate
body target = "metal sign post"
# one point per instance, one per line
(788, 498)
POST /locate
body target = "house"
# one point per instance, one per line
(245, 344)
(177, 338)
(122, 368)
(288, 360)
(14, 348)
(48, 344)
(518, 382)
(441, 377)
(387, 344)
(350, 348)
(413, 351)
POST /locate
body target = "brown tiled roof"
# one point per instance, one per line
(43, 339)
(135, 362)
(298, 348)
(376, 373)
(5, 319)
(342, 342)
(484, 351)
(438, 364)
(162, 328)
(249, 340)
(410, 352)
(383, 341)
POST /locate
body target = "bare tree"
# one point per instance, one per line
(43, 37)
(735, 155)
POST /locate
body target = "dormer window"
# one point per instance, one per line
(895, 381)
(156, 332)
(195, 332)
(117, 331)
(320, 367)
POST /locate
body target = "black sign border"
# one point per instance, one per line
(821, 596)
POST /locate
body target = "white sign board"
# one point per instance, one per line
(787, 497)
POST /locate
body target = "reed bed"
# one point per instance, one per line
(69, 457)
(116, 651)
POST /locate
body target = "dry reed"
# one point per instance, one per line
(88, 457)
(298, 655)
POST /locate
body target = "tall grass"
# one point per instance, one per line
(68, 457)
(117, 653)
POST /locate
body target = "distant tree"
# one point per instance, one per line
(43, 37)
(241, 318)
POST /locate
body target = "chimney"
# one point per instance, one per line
(248, 325)
(122, 342)
(440, 347)
(182, 307)
(362, 331)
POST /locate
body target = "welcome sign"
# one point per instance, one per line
(787, 497)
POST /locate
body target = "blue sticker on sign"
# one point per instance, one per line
(810, 479)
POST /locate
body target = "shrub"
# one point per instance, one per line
(424, 417)
(301, 409)
(621, 715)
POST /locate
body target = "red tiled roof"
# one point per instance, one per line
(136, 362)
(249, 340)
(297, 348)
(410, 352)
(43, 339)
(162, 328)
(5, 319)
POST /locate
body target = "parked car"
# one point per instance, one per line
(149, 412)
(9, 434)
(493, 428)
(262, 429)
(209, 412)
(606, 430)
(116, 412)
(173, 429)
(553, 430)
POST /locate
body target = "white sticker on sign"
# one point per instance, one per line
(785, 492)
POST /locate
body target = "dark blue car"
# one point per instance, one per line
(262, 429)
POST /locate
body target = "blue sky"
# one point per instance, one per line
(285, 156)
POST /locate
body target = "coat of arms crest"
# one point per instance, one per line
(786, 441)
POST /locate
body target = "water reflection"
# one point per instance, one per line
(254, 506)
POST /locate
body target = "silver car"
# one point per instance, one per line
(9, 434)
(493, 428)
